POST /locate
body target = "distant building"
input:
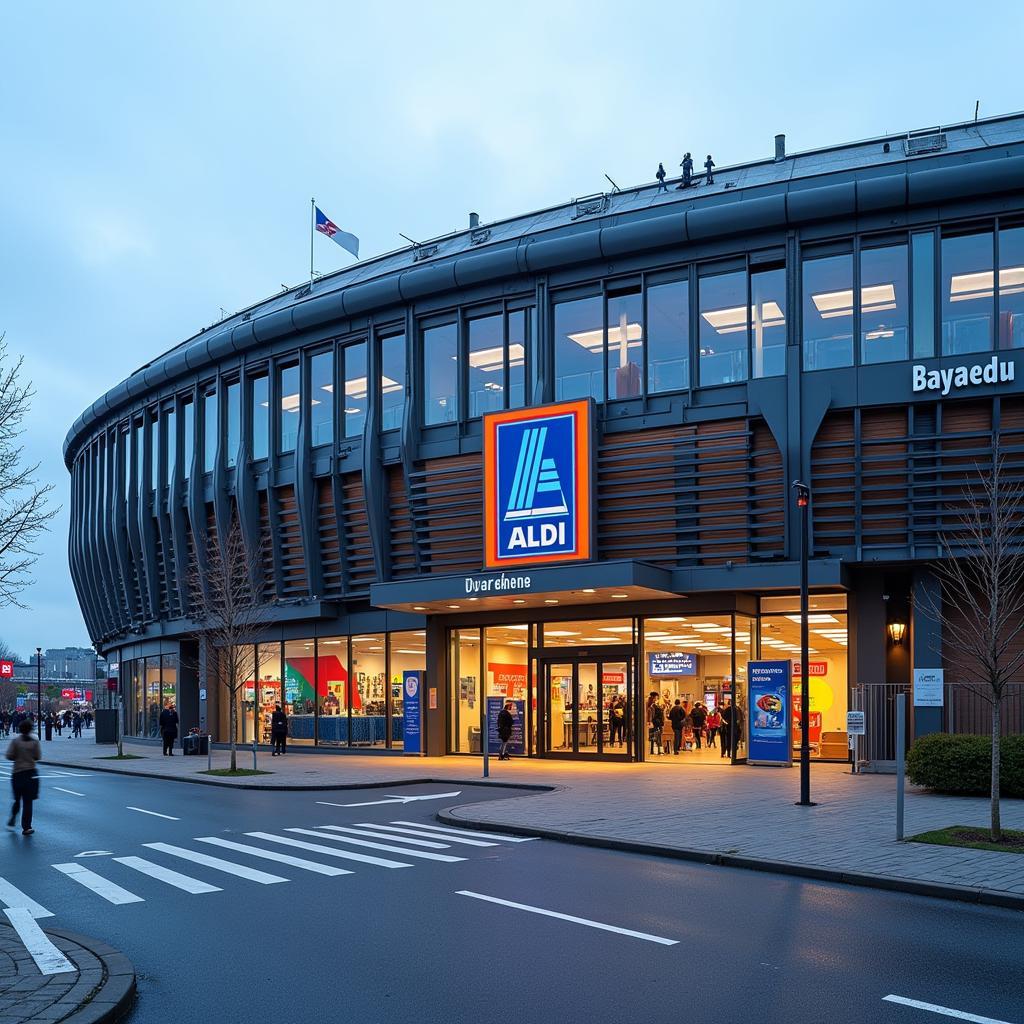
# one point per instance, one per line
(69, 663)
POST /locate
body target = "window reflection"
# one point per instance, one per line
(884, 316)
(288, 415)
(1011, 288)
(170, 425)
(923, 259)
(210, 432)
(188, 424)
(723, 328)
(519, 323)
(668, 337)
(579, 349)
(625, 340)
(768, 322)
(234, 417)
(441, 374)
(392, 381)
(321, 388)
(968, 303)
(260, 405)
(487, 364)
(354, 361)
(828, 312)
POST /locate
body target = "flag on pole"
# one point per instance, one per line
(327, 227)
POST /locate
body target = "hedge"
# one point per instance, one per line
(962, 764)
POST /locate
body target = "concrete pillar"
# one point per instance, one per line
(926, 642)
(435, 720)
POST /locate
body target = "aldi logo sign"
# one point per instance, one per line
(537, 485)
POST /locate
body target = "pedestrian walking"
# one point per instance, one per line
(76, 725)
(506, 720)
(24, 751)
(713, 724)
(278, 731)
(655, 719)
(676, 716)
(699, 716)
(617, 721)
(726, 729)
(168, 729)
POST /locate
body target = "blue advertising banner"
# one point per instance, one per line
(518, 744)
(674, 663)
(411, 687)
(770, 712)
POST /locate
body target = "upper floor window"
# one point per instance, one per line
(210, 431)
(234, 424)
(922, 257)
(668, 336)
(392, 381)
(828, 312)
(884, 310)
(579, 349)
(170, 426)
(519, 330)
(188, 424)
(768, 322)
(353, 370)
(440, 374)
(497, 361)
(288, 409)
(154, 450)
(625, 339)
(259, 403)
(140, 455)
(321, 413)
(722, 326)
(968, 300)
(1011, 287)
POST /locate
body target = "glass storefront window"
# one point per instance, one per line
(1011, 288)
(968, 302)
(353, 359)
(518, 341)
(300, 690)
(923, 259)
(188, 424)
(138, 669)
(210, 432)
(153, 705)
(234, 423)
(486, 364)
(441, 374)
(579, 349)
(884, 313)
(506, 676)
(723, 328)
(369, 707)
(321, 387)
(828, 312)
(408, 653)
(392, 381)
(169, 680)
(335, 692)
(668, 337)
(768, 322)
(625, 340)
(267, 691)
(259, 391)
(465, 692)
(288, 412)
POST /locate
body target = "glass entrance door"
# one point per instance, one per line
(588, 706)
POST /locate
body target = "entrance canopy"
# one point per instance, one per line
(527, 587)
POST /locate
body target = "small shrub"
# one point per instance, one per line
(962, 764)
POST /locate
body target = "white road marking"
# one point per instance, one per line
(421, 854)
(49, 959)
(95, 853)
(14, 898)
(71, 791)
(227, 866)
(282, 858)
(156, 814)
(162, 874)
(466, 832)
(363, 858)
(393, 798)
(945, 1011)
(110, 891)
(368, 833)
(426, 835)
(568, 917)
(55, 773)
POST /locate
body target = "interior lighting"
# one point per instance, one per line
(896, 632)
(667, 618)
(455, 607)
(518, 627)
(616, 629)
(589, 590)
(519, 600)
(419, 607)
(491, 359)
(816, 617)
(619, 597)
(515, 643)
(559, 632)
(873, 299)
(551, 600)
(978, 285)
(729, 321)
(593, 341)
(404, 650)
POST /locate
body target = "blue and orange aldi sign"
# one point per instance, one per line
(537, 485)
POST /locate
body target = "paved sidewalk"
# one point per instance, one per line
(98, 990)
(709, 811)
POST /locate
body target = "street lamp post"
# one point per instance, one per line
(39, 692)
(803, 502)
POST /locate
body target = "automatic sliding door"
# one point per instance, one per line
(560, 690)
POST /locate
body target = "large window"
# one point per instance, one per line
(267, 677)
(441, 374)
(154, 450)
(768, 322)
(884, 312)
(335, 691)
(579, 349)
(828, 312)
(486, 342)
(369, 718)
(234, 424)
(668, 337)
(407, 654)
(968, 303)
(321, 413)
(520, 323)
(288, 410)
(210, 432)
(353, 360)
(170, 425)
(300, 690)
(625, 339)
(259, 403)
(922, 247)
(465, 691)
(723, 328)
(1011, 288)
(188, 424)
(392, 381)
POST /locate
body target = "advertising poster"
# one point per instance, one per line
(676, 663)
(770, 714)
(518, 744)
(411, 685)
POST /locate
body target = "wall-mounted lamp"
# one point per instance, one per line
(897, 630)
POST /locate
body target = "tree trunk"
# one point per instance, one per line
(997, 827)
(234, 729)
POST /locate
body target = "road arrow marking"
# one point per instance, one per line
(95, 853)
(393, 798)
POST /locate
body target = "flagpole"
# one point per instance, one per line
(312, 231)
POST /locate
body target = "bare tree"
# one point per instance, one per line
(24, 504)
(227, 603)
(980, 600)
(7, 653)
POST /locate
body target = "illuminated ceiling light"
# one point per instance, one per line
(455, 607)
(873, 299)
(488, 360)
(560, 632)
(290, 403)
(619, 597)
(403, 650)
(551, 600)
(517, 627)
(667, 618)
(596, 639)
(706, 627)
(364, 639)
(519, 600)
(589, 590)
(515, 643)
(875, 335)
(331, 643)
(816, 617)
(593, 341)
(978, 285)
(419, 607)
(729, 321)
(616, 629)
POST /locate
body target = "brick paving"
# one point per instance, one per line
(706, 809)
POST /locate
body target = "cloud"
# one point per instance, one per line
(103, 238)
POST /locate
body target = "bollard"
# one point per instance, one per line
(254, 755)
(209, 753)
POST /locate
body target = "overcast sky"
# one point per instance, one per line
(157, 159)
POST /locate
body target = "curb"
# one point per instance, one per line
(309, 788)
(937, 890)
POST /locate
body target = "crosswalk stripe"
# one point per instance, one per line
(467, 832)
(421, 854)
(363, 858)
(110, 891)
(48, 958)
(227, 866)
(415, 832)
(283, 858)
(13, 897)
(368, 833)
(162, 874)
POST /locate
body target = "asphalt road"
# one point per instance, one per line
(399, 944)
